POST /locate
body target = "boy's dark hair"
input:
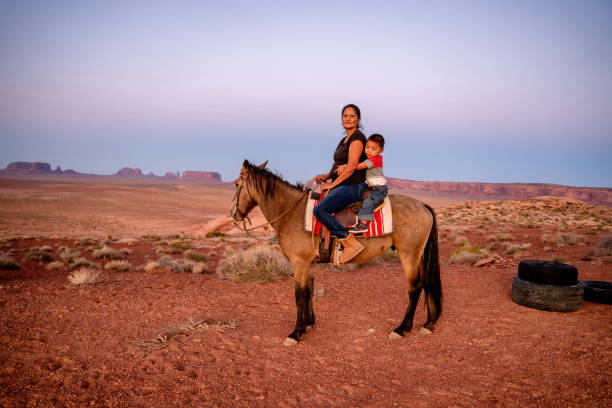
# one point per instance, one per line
(378, 139)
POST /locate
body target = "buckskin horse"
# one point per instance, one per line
(414, 237)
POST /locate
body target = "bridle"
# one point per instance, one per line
(244, 175)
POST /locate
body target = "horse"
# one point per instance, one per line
(414, 237)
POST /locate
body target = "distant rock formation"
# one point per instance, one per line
(28, 168)
(172, 175)
(515, 191)
(129, 172)
(520, 191)
(202, 176)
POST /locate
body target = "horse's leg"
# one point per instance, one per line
(310, 317)
(415, 286)
(303, 300)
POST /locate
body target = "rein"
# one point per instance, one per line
(245, 217)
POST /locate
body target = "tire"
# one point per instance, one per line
(542, 296)
(551, 273)
(597, 291)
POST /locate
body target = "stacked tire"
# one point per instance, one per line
(550, 286)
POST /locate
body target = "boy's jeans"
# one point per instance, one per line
(336, 200)
(377, 194)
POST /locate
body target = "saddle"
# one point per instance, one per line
(348, 215)
(326, 244)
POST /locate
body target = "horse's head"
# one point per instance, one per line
(244, 201)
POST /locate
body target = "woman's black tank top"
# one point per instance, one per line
(341, 157)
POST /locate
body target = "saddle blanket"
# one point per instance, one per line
(382, 224)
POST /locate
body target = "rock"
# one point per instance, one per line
(129, 172)
(487, 261)
(202, 176)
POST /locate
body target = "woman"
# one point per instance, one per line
(348, 185)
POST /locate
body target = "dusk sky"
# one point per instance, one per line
(492, 91)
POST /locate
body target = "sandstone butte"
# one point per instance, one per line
(519, 191)
(515, 191)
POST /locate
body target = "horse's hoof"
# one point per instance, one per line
(394, 336)
(423, 330)
(289, 342)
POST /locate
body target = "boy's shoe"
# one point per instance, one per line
(360, 228)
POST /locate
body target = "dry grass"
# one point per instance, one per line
(181, 332)
(84, 276)
(118, 266)
(44, 254)
(467, 255)
(7, 263)
(604, 247)
(195, 256)
(79, 262)
(461, 240)
(500, 237)
(55, 265)
(258, 264)
(568, 238)
(68, 255)
(510, 249)
(107, 252)
(151, 266)
(199, 268)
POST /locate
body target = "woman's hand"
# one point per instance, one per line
(325, 187)
(321, 178)
(340, 168)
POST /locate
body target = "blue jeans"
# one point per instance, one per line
(377, 194)
(336, 200)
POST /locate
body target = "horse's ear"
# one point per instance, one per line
(246, 164)
(263, 165)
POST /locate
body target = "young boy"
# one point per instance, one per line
(375, 179)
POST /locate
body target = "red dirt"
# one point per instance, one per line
(62, 345)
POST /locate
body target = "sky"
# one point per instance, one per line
(488, 91)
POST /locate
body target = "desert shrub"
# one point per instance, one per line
(37, 255)
(88, 242)
(83, 276)
(181, 245)
(118, 266)
(107, 252)
(461, 240)
(568, 238)
(55, 265)
(181, 266)
(510, 249)
(604, 247)
(199, 268)
(151, 266)
(195, 256)
(557, 259)
(215, 234)
(467, 255)
(67, 254)
(79, 262)
(7, 263)
(390, 256)
(258, 264)
(501, 236)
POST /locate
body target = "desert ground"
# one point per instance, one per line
(154, 330)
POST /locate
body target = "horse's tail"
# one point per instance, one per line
(431, 267)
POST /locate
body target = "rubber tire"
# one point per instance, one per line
(597, 291)
(551, 273)
(542, 296)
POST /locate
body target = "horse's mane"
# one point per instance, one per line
(268, 181)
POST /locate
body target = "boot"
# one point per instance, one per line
(352, 248)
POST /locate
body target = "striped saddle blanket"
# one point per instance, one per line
(382, 224)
